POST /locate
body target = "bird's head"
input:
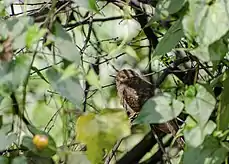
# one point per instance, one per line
(124, 76)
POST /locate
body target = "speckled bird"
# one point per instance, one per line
(134, 91)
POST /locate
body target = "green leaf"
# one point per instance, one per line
(36, 159)
(190, 91)
(166, 7)
(17, 28)
(34, 33)
(100, 131)
(17, 25)
(223, 108)
(2, 9)
(66, 48)
(218, 50)
(211, 152)
(201, 105)
(131, 51)
(159, 109)
(19, 160)
(214, 52)
(42, 114)
(4, 160)
(223, 115)
(3, 30)
(6, 140)
(20, 67)
(38, 117)
(170, 39)
(225, 93)
(20, 41)
(225, 145)
(202, 21)
(194, 134)
(68, 87)
(69, 71)
(9, 72)
(93, 79)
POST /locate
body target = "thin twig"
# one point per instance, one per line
(112, 153)
(27, 79)
(160, 143)
(43, 69)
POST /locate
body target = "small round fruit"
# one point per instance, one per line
(40, 141)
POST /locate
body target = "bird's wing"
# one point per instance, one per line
(131, 99)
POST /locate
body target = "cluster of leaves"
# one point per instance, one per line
(55, 73)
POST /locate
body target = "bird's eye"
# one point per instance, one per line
(123, 77)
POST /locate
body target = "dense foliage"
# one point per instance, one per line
(58, 101)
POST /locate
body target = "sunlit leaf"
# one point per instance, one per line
(69, 71)
(130, 51)
(191, 91)
(100, 131)
(93, 79)
(201, 105)
(194, 134)
(202, 21)
(159, 109)
(214, 52)
(34, 33)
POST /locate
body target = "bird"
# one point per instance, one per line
(134, 91)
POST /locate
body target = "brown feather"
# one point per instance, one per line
(134, 92)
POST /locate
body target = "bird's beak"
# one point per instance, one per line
(112, 76)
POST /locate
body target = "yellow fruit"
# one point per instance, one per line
(40, 141)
